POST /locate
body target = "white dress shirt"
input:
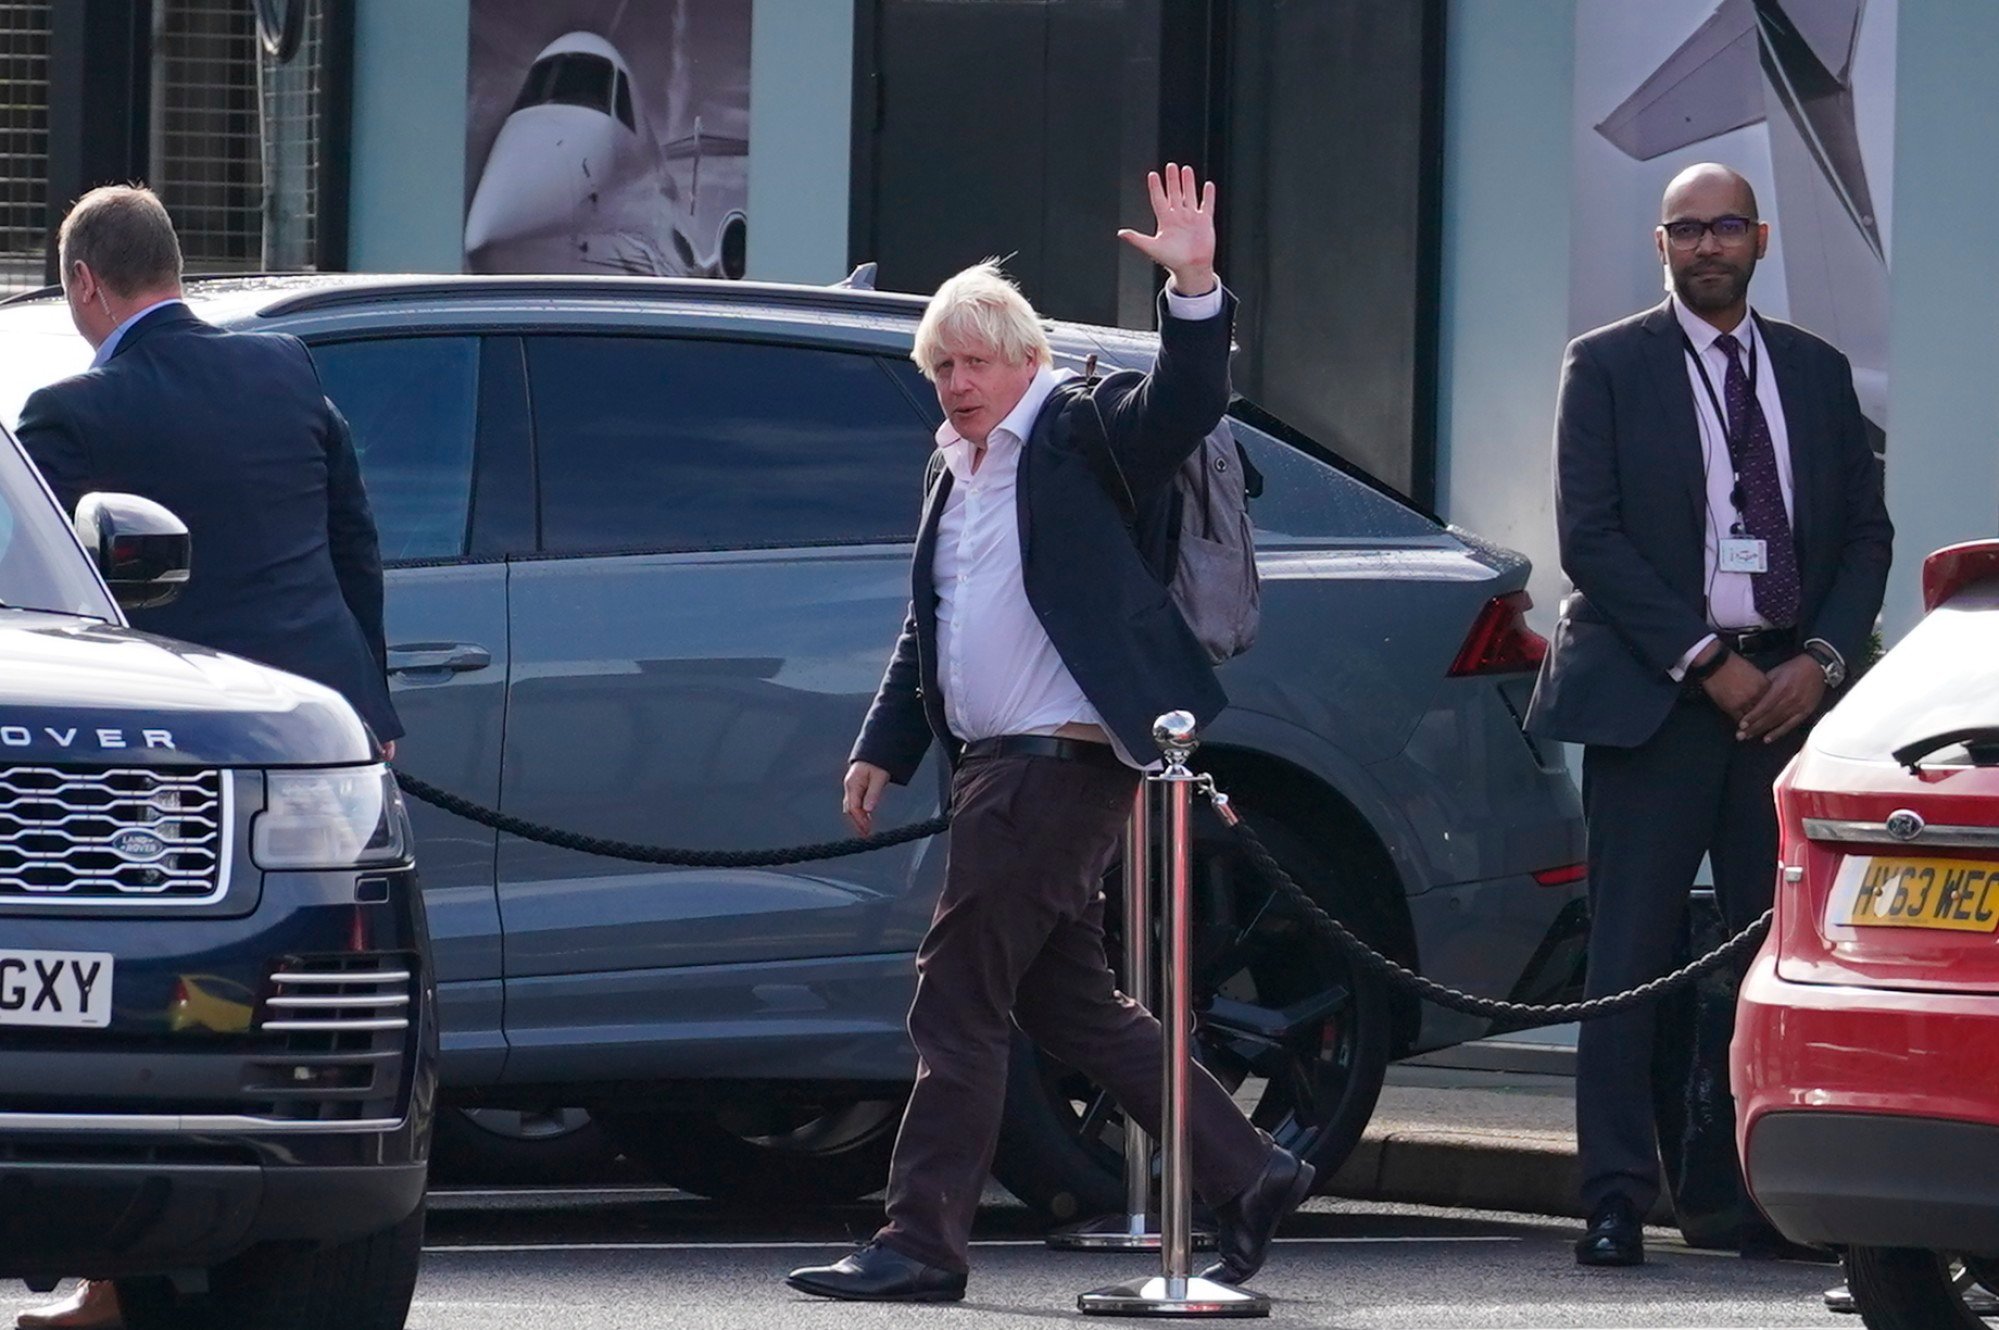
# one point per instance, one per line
(999, 671)
(1731, 597)
(110, 345)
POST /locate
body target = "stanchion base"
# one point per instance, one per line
(1120, 1233)
(1157, 1296)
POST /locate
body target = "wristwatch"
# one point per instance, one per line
(1829, 660)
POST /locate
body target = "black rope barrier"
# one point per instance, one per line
(1392, 972)
(1401, 976)
(664, 854)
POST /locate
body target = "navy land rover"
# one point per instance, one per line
(217, 1041)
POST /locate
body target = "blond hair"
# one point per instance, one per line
(123, 234)
(980, 307)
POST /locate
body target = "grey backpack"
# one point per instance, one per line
(1212, 549)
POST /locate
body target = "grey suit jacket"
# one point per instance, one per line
(1631, 514)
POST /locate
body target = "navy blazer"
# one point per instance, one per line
(233, 433)
(1095, 584)
(1631, 514)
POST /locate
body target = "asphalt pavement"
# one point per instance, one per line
(1452, 1213)
(638, 1258)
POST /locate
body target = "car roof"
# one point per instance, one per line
(244, 300)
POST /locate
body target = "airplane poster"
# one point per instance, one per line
(1799, 96)
(608, 136)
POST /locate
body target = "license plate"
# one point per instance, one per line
(1888, 892)
(55, 988)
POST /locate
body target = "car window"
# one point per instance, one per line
(1305, 495)
(40, 566)
(1938, 680)
(412, 404)
(35, 359)
(652, 443)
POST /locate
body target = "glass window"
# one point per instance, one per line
(662, 443)
(921, 391)
(412, 404)
(40, 565)
(625, 101)
(1305, 494)
(572, 78)
(1938, 680)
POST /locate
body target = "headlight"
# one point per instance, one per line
(348, 817)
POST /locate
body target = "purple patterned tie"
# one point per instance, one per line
(1763, 515)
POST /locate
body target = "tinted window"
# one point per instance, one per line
(1304, 495)
(921, 391)
(625, 102)
(40, 565)
(657, 443)
(412, 403)
(572, 79)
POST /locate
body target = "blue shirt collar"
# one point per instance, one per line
(110, 347)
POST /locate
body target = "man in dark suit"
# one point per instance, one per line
(1040, 646)
(232, 432)
(1721, 518)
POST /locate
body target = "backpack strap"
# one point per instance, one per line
(1097, 446)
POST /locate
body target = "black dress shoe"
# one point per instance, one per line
(1614, 1235)
(1250, 1220)
(879, 1274)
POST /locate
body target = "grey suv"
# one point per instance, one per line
(649, 544)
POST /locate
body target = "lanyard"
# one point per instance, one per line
(1721, 417)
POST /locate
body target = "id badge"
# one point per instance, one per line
(1744, 554)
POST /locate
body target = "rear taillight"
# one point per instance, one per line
(1564, 876)
(1500, 641)
(1951, 569)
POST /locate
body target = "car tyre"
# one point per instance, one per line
(364, 1284)
(525, 1147)
(1061, 1141)
(1907, 1288)
(805, 1154)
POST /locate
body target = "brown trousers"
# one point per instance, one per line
(1019, 932)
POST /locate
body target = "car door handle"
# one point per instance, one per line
(438, 657)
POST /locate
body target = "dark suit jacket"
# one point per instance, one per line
(1098, 591)
(232, 432)
(1631, 512)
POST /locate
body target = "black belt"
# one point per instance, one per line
(1760, 641)
(1044, 745)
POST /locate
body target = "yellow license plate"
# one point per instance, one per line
(1889, 892)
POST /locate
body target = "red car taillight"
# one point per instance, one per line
(1500, 642)
(1951, 569)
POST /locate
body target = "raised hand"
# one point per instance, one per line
(1184, 243)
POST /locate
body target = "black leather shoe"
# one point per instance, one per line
(1249, 1222)
(879, 1274)
(1761, 1242)
(1614, 1235)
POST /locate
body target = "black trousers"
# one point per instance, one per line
(1652, 812)
(1019, 932)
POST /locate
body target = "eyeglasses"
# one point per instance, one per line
(1730, 230)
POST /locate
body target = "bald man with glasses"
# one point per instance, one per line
(1721, 518)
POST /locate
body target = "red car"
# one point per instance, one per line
(1866, 1054)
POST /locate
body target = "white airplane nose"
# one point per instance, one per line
(536, 178)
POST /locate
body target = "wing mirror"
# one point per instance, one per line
(142, 550)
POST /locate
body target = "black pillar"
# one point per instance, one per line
(100, 56)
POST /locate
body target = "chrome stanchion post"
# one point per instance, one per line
(1134, 1230)
(1176, 1291)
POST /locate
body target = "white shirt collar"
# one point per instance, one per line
(1009, 433)
(110, 347)
(1704, 334)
